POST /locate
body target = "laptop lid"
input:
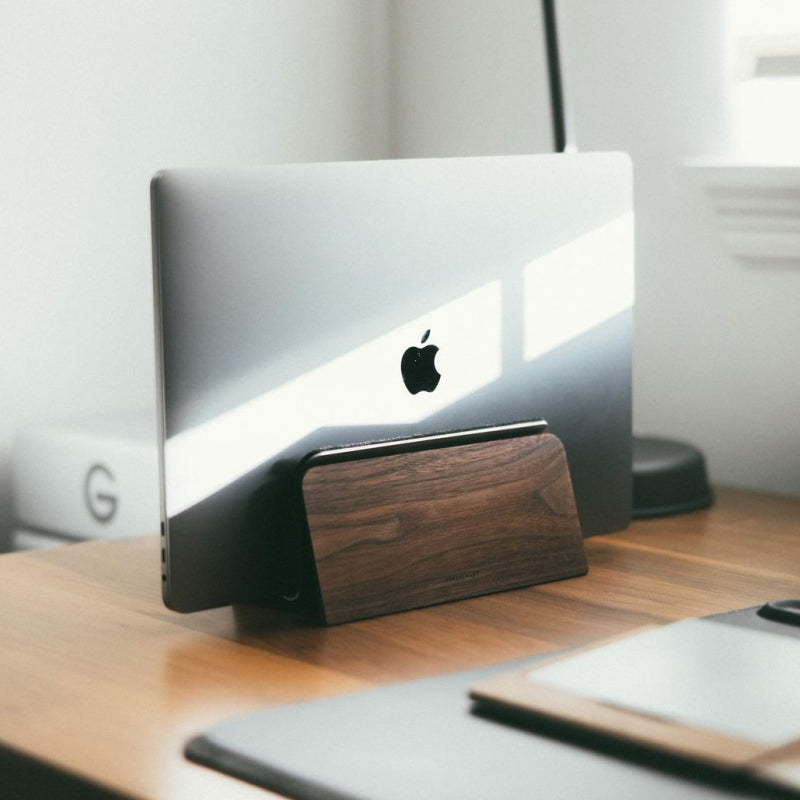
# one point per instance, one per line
(287, 296)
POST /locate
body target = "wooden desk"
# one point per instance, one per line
(98, 679)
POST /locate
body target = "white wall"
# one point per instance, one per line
(715, 352)
(467, 77)
(96, 96)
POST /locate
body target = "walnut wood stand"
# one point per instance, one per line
(411, 529)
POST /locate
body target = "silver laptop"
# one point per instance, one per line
(308, 306)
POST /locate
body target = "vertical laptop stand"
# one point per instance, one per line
(389, 531)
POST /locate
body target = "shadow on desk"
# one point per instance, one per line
(26, 778)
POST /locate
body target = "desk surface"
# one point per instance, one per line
(98, 678)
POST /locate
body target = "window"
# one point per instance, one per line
(764, 47)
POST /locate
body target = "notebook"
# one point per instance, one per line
(721, 695)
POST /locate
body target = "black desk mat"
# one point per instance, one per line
(421, 739)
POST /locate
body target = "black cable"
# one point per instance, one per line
(554, 76)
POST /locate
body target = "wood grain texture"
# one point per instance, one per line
(417, 528)
(516, 691)
(100, 680)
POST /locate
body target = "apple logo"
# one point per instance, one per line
(419, 371)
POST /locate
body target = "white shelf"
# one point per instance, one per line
(757, 209)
